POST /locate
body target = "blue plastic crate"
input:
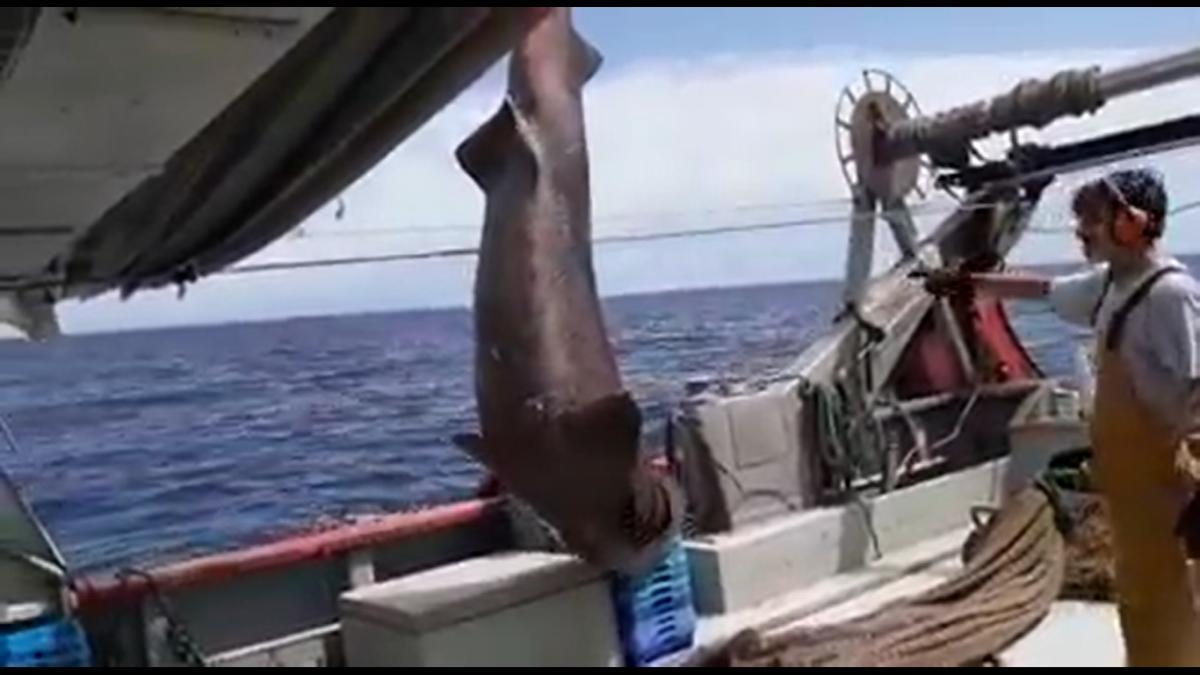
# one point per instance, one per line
(59, 644)
(655, 613)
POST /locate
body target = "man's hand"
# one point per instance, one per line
(948, 282)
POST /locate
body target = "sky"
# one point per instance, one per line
(699, 117)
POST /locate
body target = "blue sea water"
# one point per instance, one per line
(148, 446)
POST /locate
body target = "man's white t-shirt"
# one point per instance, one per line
(1161, 340)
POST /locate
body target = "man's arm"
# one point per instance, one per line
(1011, 286)
(1004, 286)
(1073, 297)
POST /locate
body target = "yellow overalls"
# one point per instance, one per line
(1135, 470)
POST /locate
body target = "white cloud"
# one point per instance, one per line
(673, 144)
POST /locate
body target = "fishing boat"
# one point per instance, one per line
(163, 145)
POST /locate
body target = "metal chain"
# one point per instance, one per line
(183, 646)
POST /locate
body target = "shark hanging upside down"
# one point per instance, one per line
(557, 428)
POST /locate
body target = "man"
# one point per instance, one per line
(1145, 310)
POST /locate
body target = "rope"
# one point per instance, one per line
(469, 251)
(958, 425)
(465, 251)
(1013, 572)
(1091, 565)
(919, 209)
(14, 284)
(1055, 229)
(829, 202)
(687, 233)
(9, 438)
(1187, 206)
(837, 459)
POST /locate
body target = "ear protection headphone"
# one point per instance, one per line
(1130, 226)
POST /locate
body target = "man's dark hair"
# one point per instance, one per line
(1140, 188)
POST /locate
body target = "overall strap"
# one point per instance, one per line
(1100, 298)
(1117, 326)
